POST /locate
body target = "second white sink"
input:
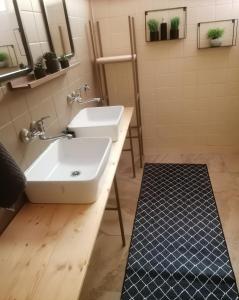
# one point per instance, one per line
(98, 122)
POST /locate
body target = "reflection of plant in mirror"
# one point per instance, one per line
(3, 56)
(215, 33)
(153, 25)
(175, 23)
(22, 66)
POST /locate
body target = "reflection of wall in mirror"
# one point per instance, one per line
(10, 41)
(57, 25)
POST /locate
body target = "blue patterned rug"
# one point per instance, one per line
(178, 249)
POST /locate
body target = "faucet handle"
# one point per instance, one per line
(40, 123)
(43, 118)
(83, 87)
(86, 87)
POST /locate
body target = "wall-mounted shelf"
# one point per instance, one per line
(227, 40)
(29, 82)
(165, 16)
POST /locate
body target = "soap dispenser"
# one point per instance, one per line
(164, 30)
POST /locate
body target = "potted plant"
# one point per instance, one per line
(174, 30)
(3, 59)
(214, 35)
(39, 68)
(64, 61)
(153, 29)
(52, 63)
(22, 66)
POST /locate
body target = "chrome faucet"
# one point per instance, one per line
(37, 129)
(76, 96)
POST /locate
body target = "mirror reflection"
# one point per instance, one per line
(12, 52)
(58, 26)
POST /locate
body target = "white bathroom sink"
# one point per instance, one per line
(98, 122)
(68, 171)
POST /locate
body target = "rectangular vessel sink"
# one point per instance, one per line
(98, 122)
(68, 171)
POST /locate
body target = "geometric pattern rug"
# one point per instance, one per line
(178, 249)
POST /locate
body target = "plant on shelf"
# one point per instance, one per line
(215, 34)
(22, 66)
(52, 63)
(3, 59)
(153, 29)
(64, 61)
(174, 30)
(39, 68)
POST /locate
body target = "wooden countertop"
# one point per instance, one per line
(46, 250)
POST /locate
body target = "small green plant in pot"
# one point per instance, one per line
(52, 63)
(64, 61)
(153, 29)
(174, 30)
(39, 68)
(215, 35)
(3, 59)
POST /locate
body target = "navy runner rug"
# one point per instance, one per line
(178, 249)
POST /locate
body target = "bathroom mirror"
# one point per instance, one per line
(58, 26)
(15, 57)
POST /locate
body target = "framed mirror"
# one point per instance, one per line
(58, 27)
(15, 57)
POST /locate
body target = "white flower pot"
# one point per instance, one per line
(215, 42)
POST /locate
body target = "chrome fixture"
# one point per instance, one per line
(76, 96)
(37, 129)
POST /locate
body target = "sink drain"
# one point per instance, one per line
(75, 173)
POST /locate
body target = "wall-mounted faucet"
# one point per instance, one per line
(76, 96)
(37, 129)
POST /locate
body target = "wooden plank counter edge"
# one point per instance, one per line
(46, 250)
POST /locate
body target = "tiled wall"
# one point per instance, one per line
(190, 97)
(18, 108)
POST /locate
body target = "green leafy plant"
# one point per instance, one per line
(3, 56)
(52, 63)
(64, 61)
(63, 57)
(153, 25)
(175, 23)
(215, 33)
(50, 56)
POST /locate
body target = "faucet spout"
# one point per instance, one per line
(86, 101)
(53, 138)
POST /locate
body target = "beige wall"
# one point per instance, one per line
(19, 108)
(190, 97)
